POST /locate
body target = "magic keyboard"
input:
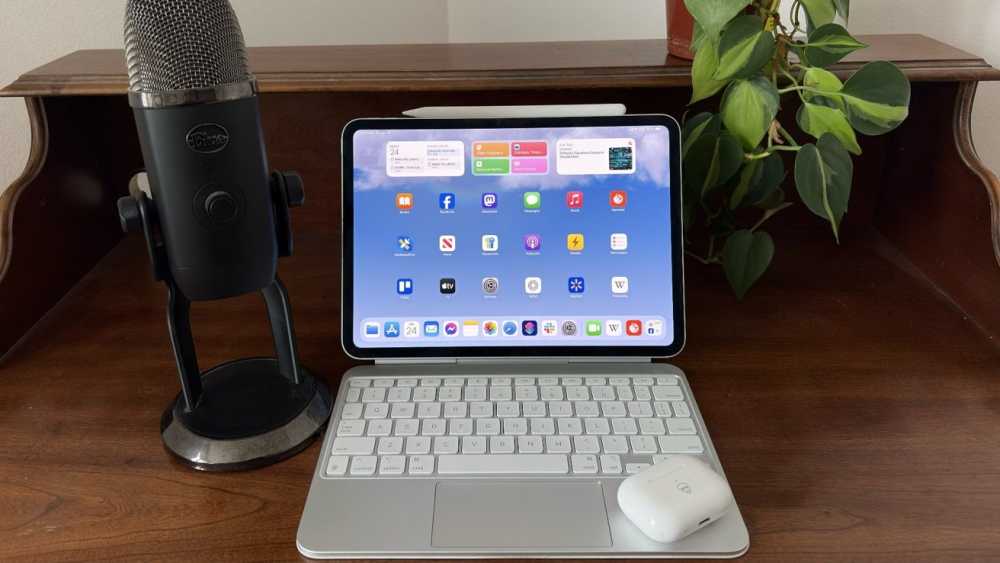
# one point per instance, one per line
(462, 426)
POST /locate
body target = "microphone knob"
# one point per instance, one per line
(221, 207)
(129, 215)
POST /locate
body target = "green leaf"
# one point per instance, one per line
(703, 124)
(819, 120)
(745, 258)
(713, 15)
(823, 175)
(820, 12)
(829, 44)
(773, 200)
(843, 8)
(698, 37)
(877, 98)
(748, 108)
(712, 160)
(757, 181)
(745, 48)
(706, 63)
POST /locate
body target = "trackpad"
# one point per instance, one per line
(520, 514)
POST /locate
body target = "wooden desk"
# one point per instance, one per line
(854, 397)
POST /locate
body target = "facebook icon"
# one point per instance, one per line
(446, 201)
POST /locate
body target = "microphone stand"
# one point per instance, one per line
(246, 413)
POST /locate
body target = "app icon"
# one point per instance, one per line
(593, 328)
(618, 199)
(510, 328)
(550, 328)
(372, 330)
(491, 328)
(574, 242)
(491, 243)
(391, 329)
(490, 200)
(411, 329)
(633, 327)
(532, 242)
(447, 286)
(577, 285)
(574, 200)
(446, 201)
(529, 328)
(446, 243)
(431, 328)
(533, 200)
(470, 328)
(654, 328)
(619, 285)
(451, 328)
(619, 242)
(404, 243)
(533, 286)
(613, 328)
(569, 328)
(404, 201)
(404, 286)
(491, 286)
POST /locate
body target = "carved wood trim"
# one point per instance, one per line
(966, 146)
(36, 160)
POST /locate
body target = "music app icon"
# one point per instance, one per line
(574, 200)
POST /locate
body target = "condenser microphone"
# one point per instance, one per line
(195, 106)
(214, 228)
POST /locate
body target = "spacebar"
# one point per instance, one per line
(509, 464)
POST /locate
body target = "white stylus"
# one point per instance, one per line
(470, 112)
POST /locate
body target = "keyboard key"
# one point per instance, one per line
(430, 382)
(590, 444)
(501, 381)
(480, 409)
(552, 393)
(681, 409)
(570, 426)
(460, 426)
(445, 445)
(337, 465)
(501, 444)
(373, 395)
(624, 393)
(390, 445)
(446, 394)
(533, 409)
(529, 444)
(615, 444)
(353, 394)
(424, 394)
(454, 381)
(624, 426)
(642, 393)
(363, 465)
(477, 393)
(586, 409)
(474, 445)
(681, 444)
(577, 393)
(524, 381)
(598, 426)
(667, 393)
(351, 428)
(683, 426)
(501, 393)
(407, 427)
(666, 380)
(358, 382)
(633, 468)
(653, 426)
(613, 409)
(478, 381)
(433, 427)
(560, 408)
(502, 464)
(603, 393)
(543, 426)
(617, 381)
(642, 381)
(402, 410)
(592, 381)
(526, 393)
(487, 426)
(638, 409)
(455, 410)
(429, 410)
(417, 445)
(406, 382)
(376, 410)
(557, 444)
(515, 426)
(381, 427)
(398, 395)
(548, 381)
(611, 464)
(392, 465)
(643, 444)
(584, 463)
(662, 409)
(660, 458)
(570, 381)
(506, 409)
(421, 465)
(351, 411)
(382, 383)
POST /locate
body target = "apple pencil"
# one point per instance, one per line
(470, 112)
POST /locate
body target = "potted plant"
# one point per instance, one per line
(733, 159)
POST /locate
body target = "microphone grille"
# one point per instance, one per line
(183, 45)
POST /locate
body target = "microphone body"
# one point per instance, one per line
(209, 180)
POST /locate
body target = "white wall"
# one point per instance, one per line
(33, 32)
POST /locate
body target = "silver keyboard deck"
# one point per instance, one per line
(442, 427)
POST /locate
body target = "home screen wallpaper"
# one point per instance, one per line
(512, 237)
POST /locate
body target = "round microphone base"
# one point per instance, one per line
(249, 416)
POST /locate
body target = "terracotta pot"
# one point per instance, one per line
(680, 29)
